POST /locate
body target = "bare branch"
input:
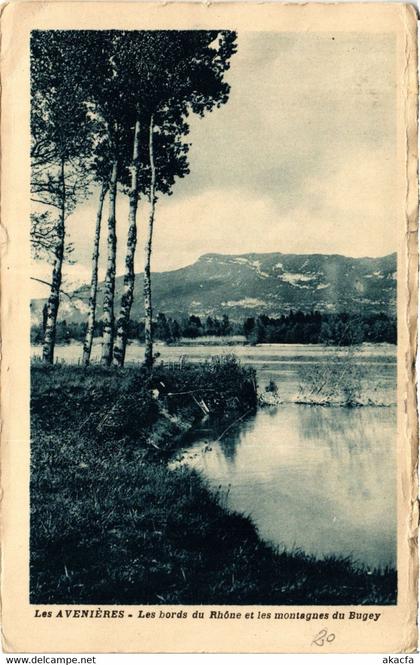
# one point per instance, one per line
(47, 203)
(42, 281)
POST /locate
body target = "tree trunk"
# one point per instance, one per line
(44, 318)
(54, 298)
(148, 312)
(109, 289)
(129, 276)
(87, 344)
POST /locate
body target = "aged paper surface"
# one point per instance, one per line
(367, 182)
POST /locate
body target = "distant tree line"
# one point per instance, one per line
(315, 328)
(294, 328)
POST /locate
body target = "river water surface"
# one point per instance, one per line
(318, 478)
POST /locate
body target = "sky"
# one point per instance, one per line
(301, 159)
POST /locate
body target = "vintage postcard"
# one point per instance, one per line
(209, 300)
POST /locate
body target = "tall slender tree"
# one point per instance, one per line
(105, 95)
(138, 84)
(191, 80)
(129, 276)
(109, 286)
(101, 164)
(134, 48)
(110, 94)
(175, 72)
(90, 328)
(59, 151)
(169, 162)
(148, 310)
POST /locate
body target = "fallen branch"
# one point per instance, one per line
(190, 392)
(203, 406)
(234, 423)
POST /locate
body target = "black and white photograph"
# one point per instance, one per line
(213, 318)
(209, 324)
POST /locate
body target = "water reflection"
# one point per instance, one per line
(229, 446)
(318, 478)
(215, 434)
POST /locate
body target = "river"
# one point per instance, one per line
(321, 479)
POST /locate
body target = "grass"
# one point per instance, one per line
(111, 524)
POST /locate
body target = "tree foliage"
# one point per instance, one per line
(93, 94)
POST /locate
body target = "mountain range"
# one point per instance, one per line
(252, 284)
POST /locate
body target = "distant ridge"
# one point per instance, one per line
(251, 284)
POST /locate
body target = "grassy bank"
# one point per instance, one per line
(111, 524)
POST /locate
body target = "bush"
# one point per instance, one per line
(336, 380)
(115, 404)
(221, 382)
(272, 387)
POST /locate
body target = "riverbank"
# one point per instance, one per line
(111, 524)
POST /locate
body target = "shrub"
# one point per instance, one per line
(115, 404)
(336, 380)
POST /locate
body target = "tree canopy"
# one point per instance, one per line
(117, 102)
